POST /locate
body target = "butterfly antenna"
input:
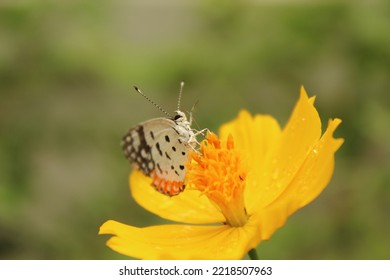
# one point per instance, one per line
(151, 101)
(180, 93)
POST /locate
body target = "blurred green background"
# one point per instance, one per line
(66, 99)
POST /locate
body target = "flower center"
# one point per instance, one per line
(218, 173)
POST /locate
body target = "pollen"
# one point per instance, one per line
(217, 171)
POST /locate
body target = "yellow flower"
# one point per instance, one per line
(241, 187)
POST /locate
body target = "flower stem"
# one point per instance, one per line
(253, 254)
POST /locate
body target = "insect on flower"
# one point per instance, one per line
(159, 147)
(242, 185)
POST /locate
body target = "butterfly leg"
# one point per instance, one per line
(202, 132)
(196, 133)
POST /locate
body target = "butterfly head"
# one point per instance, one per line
(179, 116)
(180, 119)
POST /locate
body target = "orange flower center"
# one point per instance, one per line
(218, 173)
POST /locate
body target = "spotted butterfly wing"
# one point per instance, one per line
(159, 148)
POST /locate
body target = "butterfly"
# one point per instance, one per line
(160, 148)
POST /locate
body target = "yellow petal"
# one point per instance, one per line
(180, 241)
(267, 221)
(298, 138)
(254, 137)
(190, 206)
(315, 172)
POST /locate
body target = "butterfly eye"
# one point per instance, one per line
(177, 117)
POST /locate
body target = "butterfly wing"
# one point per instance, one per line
(156, 148)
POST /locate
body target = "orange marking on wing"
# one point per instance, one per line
(167, 187)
